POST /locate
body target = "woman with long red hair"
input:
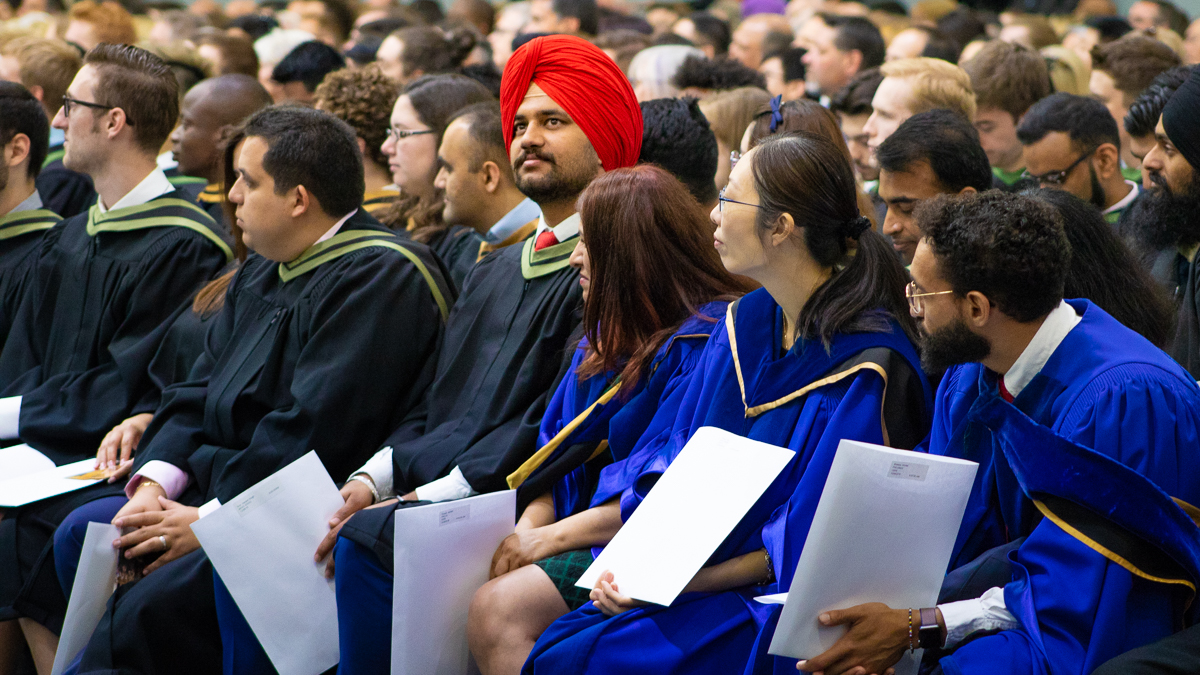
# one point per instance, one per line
(654, 289)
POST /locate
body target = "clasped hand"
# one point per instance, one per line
(171, 521)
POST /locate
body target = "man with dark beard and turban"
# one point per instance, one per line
(569, 114)
(1168, 216)
(1079, 426)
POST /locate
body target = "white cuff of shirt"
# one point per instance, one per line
(209, 507)
(379, 469)
(173, 479)
(983, 614)
(454, 486)
(10, 418)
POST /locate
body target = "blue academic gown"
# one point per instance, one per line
(807, 399)
(581, 414)
(1111, 565)
(1105, 388)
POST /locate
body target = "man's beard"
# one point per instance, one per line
(1162, 219)
(1099, 198)
(564, 181)
(951, 346)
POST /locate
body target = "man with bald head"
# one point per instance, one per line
(751, 34)
(568, 114)
(210, 110)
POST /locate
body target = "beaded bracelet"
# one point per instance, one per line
(911, 646)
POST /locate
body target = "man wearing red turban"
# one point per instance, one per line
(568, 115)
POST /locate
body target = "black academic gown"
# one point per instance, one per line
(458, 247)
(20, 238)
(328, 352)
(211, 200)
(78, 354)
(65, 192)
(1185, 348)
(508, 344)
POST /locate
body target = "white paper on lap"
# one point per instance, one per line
(883, 532)
(443, 553)
(39, 485)
(95, 581)
(262, 543)
(19, 460)
(696, 503)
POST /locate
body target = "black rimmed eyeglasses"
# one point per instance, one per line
(721, 199)
(1060, 177)
(68, 102)
(401, 134)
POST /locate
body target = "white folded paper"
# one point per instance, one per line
(95, 581)
(19, 460)
(443, 553)
(262, 544)
(43, 484)
(696, 503)
(883, 532)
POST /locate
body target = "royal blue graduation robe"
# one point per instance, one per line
(590, 428)
(1105, 388)
(863, 386)
(1112, 564)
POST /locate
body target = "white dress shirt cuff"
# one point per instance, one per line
(173, 479)
(379, 468)
(984, 614)
(208, 507)
(10, 418)
(454, 486)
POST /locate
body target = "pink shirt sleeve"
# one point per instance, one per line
(172, 478)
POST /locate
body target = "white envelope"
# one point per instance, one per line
(95, 581)
(443, 554)
(883, 532)
(20, 460)
(696, 503)
(39, 485)
(262, 544)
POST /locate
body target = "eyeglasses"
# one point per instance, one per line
(916, 301)
(68, 102)
(1060, 177)
(721, 199)
(401, 134)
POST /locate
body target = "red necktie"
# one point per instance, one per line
(1004, 392)
(545, 239)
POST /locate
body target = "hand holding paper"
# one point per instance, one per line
(680, 523)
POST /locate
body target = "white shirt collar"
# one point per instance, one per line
(564, 230)
(1134, 189)
(336, 226)
(1053, 331)
(513, 220)
(153, 185)
(32, 202)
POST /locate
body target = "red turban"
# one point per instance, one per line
(587, 84)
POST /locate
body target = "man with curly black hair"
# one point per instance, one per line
(1059, 404)
(699, 77)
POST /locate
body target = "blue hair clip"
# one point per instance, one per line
(776, 116)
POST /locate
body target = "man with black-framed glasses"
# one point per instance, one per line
(96, 304)
(1072, 143)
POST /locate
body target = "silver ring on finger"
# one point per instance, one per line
(163, 540)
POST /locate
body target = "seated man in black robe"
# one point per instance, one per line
(328, 338)
(75, 361)
(23, 221)
(209, 111)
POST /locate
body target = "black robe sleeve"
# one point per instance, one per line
(65, 192)
(369, 342)
(69, 412)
